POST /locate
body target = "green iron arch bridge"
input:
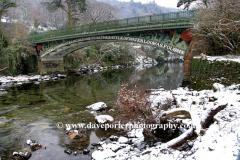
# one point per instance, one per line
(168, 31)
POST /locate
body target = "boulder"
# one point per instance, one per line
(34, 146)
(84, 138)
(102, 119)
(21, 155)
(73, 134)
(97, 106)
(86, 151)
(113, 138)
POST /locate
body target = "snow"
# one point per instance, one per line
(7, 20)
(21, 79)
(97, 106)
(137, 47)
(145, 60)
(101, 155)
(220, 58)
(3, 20)
(220, 141)
(123, 140)
(104, 119)
(218, 86)
(29, 142)
(227, 139)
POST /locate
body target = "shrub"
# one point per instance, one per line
(135, 103)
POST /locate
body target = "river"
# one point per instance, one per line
(32, 111)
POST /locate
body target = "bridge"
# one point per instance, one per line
(168, 31)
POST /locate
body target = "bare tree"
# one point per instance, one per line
(220, 26)
(98, 12)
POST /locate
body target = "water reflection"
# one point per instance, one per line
(32, 111)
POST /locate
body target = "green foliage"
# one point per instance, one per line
(200, 66)
(160, 58)
(19, 60)
(4, 41)
(205, 73)
(36, 22)
(33, 32)
(90, 54)
(104, 54)
(71, 62)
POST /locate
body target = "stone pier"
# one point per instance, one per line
(188, 61)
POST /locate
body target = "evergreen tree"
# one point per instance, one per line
(71, 7)
(5, 4)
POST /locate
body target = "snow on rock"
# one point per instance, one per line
(113, 147)
(123, 140)
(219, 87)
(97, 106)
(104, 119)
(101, 155)
(145, 60)
(135, 133)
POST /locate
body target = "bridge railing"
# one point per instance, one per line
(117, 24)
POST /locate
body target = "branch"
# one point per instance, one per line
(206, 120)
(209, 114)
(174, 143)
(64, 9)
(3, 69)
(75, 14)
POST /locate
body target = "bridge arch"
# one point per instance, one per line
(170, 40)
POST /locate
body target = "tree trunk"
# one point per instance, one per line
(69, 14)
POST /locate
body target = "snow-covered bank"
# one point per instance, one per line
(19, 80)
(145, 60)
(220, 58)
(222, 138)
(220, 141)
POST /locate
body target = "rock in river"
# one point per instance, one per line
(34, 146)
(102, 119)
(74, 134)
(97, 106)
(21, 155)
(86, 151)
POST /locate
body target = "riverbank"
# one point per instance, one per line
(220, 140)
(207, 70)
(9, 81)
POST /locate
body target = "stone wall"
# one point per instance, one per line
(50, 66)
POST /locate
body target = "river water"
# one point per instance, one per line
(32, 111)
